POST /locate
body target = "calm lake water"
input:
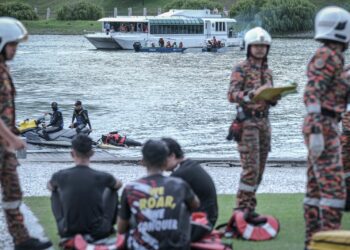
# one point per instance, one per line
(147, 95)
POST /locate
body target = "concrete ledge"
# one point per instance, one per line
(103, 156)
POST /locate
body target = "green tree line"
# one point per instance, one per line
(277, 16)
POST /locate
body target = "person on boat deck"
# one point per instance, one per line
(107, 27)
(153, 45)
(83, 200)
(122, 28)
(56, 121)
(168, 44)
(156, 200)
(199, 180)
(215, 42)
(139, 27)
(181, 45)
(145, 28)
(161, 42)
(81, 115)
(174, 45)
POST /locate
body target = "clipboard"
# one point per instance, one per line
(270, 93)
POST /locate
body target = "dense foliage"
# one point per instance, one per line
(18, 10)
(193, 4)
(276, 15)
(288, 16)
(246, 9)
(80, 11)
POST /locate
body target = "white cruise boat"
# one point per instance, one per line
(102, 40)
(191, 27)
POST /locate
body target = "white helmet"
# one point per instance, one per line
(11, 30)
(257, 35)
(333, 23)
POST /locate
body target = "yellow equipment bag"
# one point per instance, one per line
(334, 240)
(26, 125)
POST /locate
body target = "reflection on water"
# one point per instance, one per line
(149, 95)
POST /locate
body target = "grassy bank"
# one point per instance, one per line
(54, 27)
(286, 207)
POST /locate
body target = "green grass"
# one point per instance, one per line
(286, 207)
(62, 27)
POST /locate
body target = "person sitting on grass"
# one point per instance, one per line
(198, 179)
(155, 210)
(84, 201)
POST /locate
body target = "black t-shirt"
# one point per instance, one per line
(159, 206)
(81, 189)
(202, 185)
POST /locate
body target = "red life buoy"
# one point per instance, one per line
(81, 244)
(262, 231)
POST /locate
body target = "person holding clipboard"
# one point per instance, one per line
(252, 126)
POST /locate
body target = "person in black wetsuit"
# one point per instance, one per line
(84, 201)
(81, 116)
(198, 179)
(56, 121)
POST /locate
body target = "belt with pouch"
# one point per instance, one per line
(330, 113)
(256, 114)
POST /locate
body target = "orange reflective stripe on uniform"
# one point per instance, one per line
(312, 201)
(336, 203)
(11, 204)
(246, 187)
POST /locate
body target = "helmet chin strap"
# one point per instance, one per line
(3, 54)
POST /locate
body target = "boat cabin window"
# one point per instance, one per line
(220, 26)
(176, 29)
(128, 26)
(176, 26)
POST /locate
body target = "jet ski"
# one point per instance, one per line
(113, 140)
(32, 130)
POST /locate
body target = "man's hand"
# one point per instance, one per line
(260, 89)
(276, 99)
(16, 143)
(316, 144)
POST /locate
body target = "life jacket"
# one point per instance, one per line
(113, 138)
(211, 241)
(207, 239)
(258, 228)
